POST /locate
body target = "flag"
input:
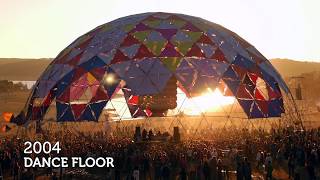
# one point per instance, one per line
(7, 116)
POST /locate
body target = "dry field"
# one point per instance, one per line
(14, 102)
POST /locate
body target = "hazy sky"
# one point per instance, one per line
(277, 28)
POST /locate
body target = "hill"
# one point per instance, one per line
(288, 67)
(22, 69)
(30, 69)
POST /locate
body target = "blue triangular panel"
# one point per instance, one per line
(107, 57)
(61, 108)
(230, 74)
(146, 65)
(64, 83)
(87, 114)
(232, 85)
(155, 36)
(97, 108)
(269, 79)
(207, 49)
(185, 73)
(246, 106)
(94, 62)
(121, 68)
(275, 108)
(159, 75)
(131, 50)
(243, 62)
(255, 112)
(67, 115)
(166, 25)
(181, 36)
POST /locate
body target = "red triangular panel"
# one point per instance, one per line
(240, 71)
(205, 39)
(152, 18)
(65, 97)
(74, 61)
(62, 59)
(175, 17)
(218, 55)
(273, 94)
(258, 95)
(98, 72)
(242, 92)
(143, 52)
(100, 95)
(84, 44)
(78, 109)
(119, 57)
(133, 100)
(195, 51)
(78, 73)
(190, 27)
(253, 77)
(169, 51)
(129, 41)
(263, 105)
(148, 112)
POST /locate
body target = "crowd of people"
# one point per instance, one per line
(226, 154)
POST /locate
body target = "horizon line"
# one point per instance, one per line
(277, 58)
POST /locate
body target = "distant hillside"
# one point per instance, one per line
(22, 69)
(30, 69)
(287, 67)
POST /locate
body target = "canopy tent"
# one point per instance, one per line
(140, 54)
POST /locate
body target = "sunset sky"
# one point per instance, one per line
(277, 28)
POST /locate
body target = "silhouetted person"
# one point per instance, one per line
(213, 167)
(150, 136)
(219, 168)
(206, 170)
(310, 167)
(146, 168)
(239, 171)
(166, 172)
(246, 169)
(183, 174)
(269, 170)
(144, 134)
(291, 166)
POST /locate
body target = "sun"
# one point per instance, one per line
(209, 101)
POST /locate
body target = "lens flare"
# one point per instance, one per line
(109, 79)
(209, 101)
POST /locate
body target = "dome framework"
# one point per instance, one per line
(139, 54)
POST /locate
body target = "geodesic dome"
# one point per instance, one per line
(141, 54)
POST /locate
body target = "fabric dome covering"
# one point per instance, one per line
(143, 52)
